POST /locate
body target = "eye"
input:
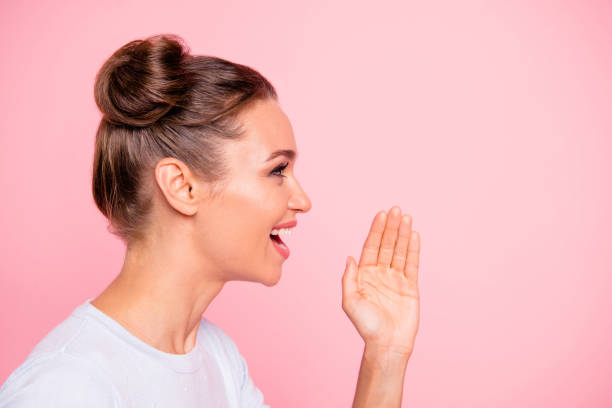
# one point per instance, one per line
(280, 169)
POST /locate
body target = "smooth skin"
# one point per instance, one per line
(381, 298)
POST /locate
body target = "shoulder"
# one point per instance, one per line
(57, 371)
(249, 394)
(216, 340)
(57, 379)
(210, 330)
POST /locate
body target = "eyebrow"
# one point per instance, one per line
(291, 154)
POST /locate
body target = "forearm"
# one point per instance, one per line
(381, 378)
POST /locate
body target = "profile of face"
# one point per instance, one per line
(233, 230)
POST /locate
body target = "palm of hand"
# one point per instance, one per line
(380, 295)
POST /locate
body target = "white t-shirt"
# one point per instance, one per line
(90, 360)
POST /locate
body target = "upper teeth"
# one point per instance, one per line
(281, 231)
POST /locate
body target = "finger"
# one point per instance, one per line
(401, 248)
(369, 253)
(389, 237)
(412, 262)
(350, 283)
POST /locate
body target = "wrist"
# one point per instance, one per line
(386, 356)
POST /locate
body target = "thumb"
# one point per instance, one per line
(349, 279)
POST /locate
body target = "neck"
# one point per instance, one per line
(160, 295)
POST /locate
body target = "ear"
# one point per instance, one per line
(178, 184)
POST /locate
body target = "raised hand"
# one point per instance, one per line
(380, 295)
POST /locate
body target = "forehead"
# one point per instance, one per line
(267, 129)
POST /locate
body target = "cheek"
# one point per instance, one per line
(256, 211)
(236, 229)
(234, 245)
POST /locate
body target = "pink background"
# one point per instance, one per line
(489, 122)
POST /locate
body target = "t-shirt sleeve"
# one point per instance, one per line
(60, 380)
(250, 396)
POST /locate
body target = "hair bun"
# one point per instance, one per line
(142, 81)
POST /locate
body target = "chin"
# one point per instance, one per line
(272, 281)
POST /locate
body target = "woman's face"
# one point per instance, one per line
(234, 228)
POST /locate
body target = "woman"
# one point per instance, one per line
(193, 168)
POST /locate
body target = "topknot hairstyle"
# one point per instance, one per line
(158, 101)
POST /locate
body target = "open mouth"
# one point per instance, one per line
(278, 243)
(276, 238)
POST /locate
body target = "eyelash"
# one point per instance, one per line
(280, 169)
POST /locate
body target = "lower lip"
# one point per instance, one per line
(283, 251)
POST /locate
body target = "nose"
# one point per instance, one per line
(299, 200)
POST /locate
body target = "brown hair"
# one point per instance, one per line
(158, 101)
